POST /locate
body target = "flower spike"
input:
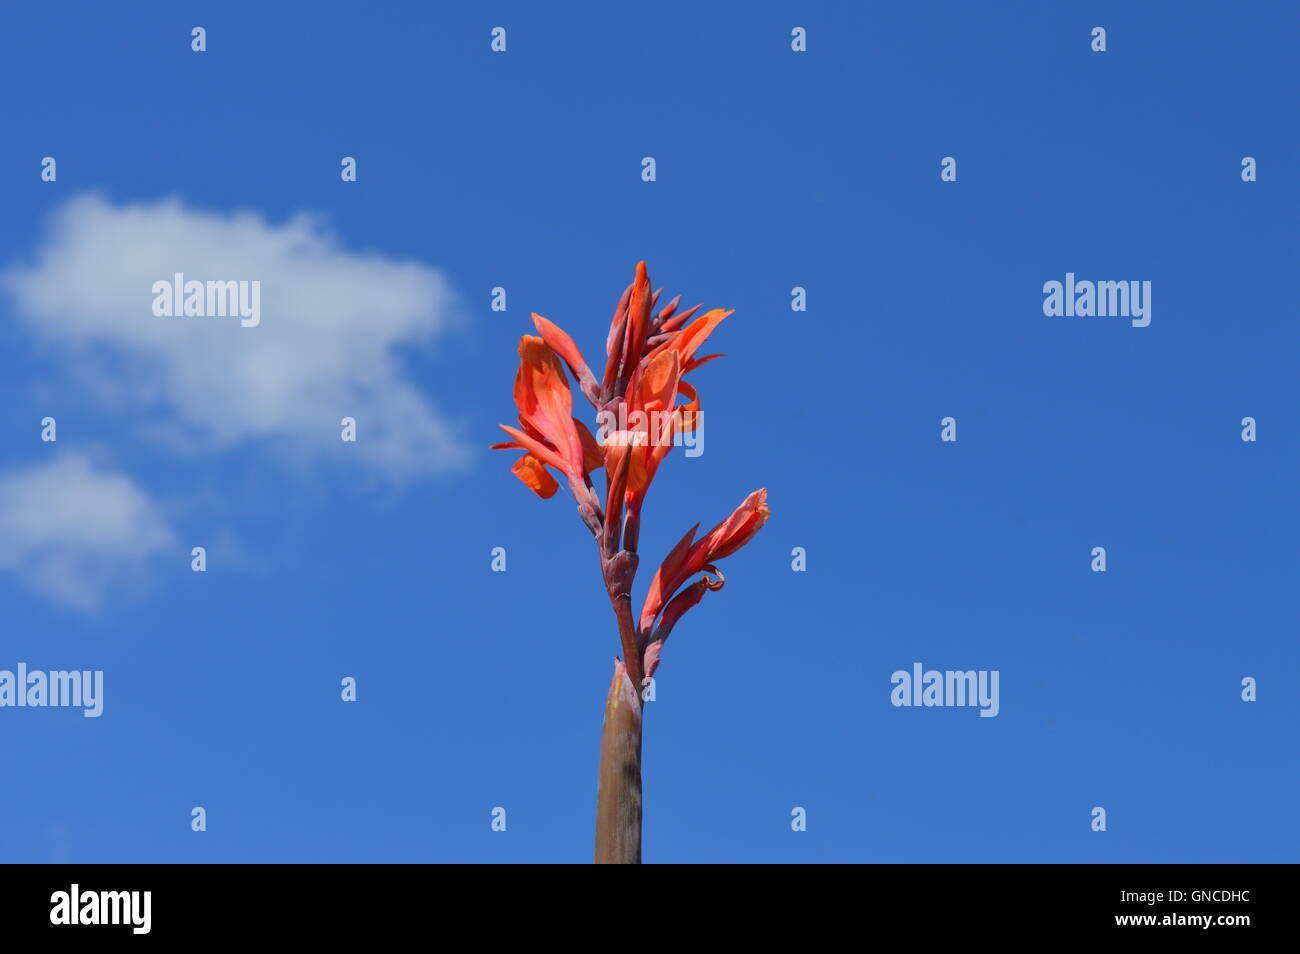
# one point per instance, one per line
(648, 352)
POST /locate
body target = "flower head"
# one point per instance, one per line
(648, 354)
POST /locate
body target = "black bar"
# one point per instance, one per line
(374, 902)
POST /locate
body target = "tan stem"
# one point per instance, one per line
(618, 796)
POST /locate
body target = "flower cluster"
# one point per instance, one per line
(648, 355)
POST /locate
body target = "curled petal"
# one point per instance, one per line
(537, 478)
(688, 415)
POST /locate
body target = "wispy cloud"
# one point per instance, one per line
(332, 322)
(72, 532)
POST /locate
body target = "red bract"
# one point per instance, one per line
(689, 558)
(647, 356)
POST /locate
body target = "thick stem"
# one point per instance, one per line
(618, 796)
(629, 639)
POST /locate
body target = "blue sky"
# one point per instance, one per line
(775, 169)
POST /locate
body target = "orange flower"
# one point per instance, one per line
(648, 354)
(549, 432)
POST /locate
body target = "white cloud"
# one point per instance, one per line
(72, 532)
(326, 347)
